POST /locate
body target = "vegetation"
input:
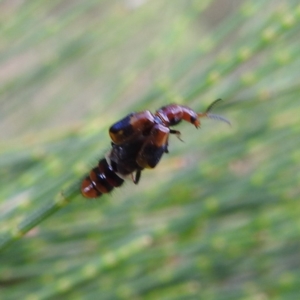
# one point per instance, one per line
(219, 216)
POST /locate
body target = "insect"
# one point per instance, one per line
(138, 142)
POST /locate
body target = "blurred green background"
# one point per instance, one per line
(218, 218)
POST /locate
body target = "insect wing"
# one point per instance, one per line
(131, 126)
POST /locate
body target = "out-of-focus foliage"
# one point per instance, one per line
(218, 218)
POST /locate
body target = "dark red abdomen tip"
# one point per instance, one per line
(101, 180)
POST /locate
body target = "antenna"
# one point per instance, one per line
(213, 116)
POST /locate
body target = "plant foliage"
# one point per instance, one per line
(218, 218)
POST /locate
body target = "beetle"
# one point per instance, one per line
(138, 142)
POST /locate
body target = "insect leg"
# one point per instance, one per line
(178, 134)
(137, 177)
(154, 147)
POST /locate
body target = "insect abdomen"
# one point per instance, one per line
(101, 180)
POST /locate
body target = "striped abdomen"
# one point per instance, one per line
(101, 180)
